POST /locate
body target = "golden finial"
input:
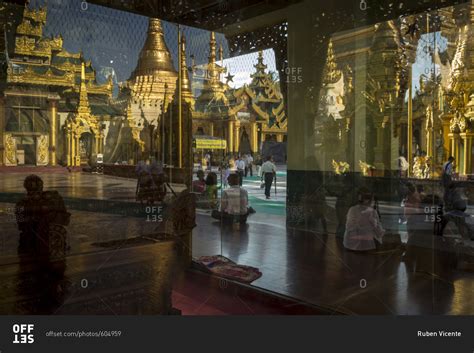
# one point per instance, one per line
(83, 71)
(332, 73)
(212, 48)
(221, 53)
(185, 82)
(83, 108)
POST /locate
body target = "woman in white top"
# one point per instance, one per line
(363, 227)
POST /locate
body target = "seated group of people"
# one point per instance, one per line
(234, 205)
(206, 189)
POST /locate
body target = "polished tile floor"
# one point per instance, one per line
(316, 268)
(299, 263)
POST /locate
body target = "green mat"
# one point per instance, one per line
(277, 208)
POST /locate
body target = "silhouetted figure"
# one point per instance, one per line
(344, 200)
(316, 206)
(151, 183)
(455, 211)
(42, 219)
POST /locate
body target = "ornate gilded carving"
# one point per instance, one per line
(29, 29)
(134, 128)
(24, 45)
(10, 150)
(37, 15)
(366, 169)
(457, 123)
(340, 167)
(421, 167)
(42, 150)
(48, 78)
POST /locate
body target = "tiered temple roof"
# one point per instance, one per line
(42, 61)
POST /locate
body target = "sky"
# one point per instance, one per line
(113, 39)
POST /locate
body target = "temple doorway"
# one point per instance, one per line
(26, 150)
(244, 144)
(85, 147)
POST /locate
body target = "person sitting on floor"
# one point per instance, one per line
(199, 185)
(211, 189)
(234, 202)
(363, 225)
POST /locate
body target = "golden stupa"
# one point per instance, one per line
(155, 68)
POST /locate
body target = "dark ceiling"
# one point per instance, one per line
(206, 14)
(218, 14)
(221, 15)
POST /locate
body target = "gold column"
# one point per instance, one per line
(455, 148)
(379, 161)
(211, 125)
(237, 137)
(180, 108)
(467, 158)
(254, 137)
(429, 142)
(410, 122)
(101, 146)
(73, 149)
(230, 142)
(68, 149)
(445, 119)
(263, 136)
(77, 152)
(279, 138)
(2, 129)
(97, 145)
(52, 133)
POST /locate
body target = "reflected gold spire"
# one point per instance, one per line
(332, 74)
(83, 108)
(213, 89)
(155, 57)
(185, 82)
(154, 68)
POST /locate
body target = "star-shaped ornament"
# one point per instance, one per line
(229, 78)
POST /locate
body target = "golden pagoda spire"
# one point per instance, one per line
(213, 89)
(332, 73)
(155, 57)
(259, 78)
(84, 108)
(212, 48)
(154, 68)
(185, 82)
(213, 71)
(221, 53)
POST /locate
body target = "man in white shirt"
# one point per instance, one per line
(268, 173)
(240, 166)
(234, 202)
(249, 165)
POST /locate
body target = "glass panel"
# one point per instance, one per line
(322, 155)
